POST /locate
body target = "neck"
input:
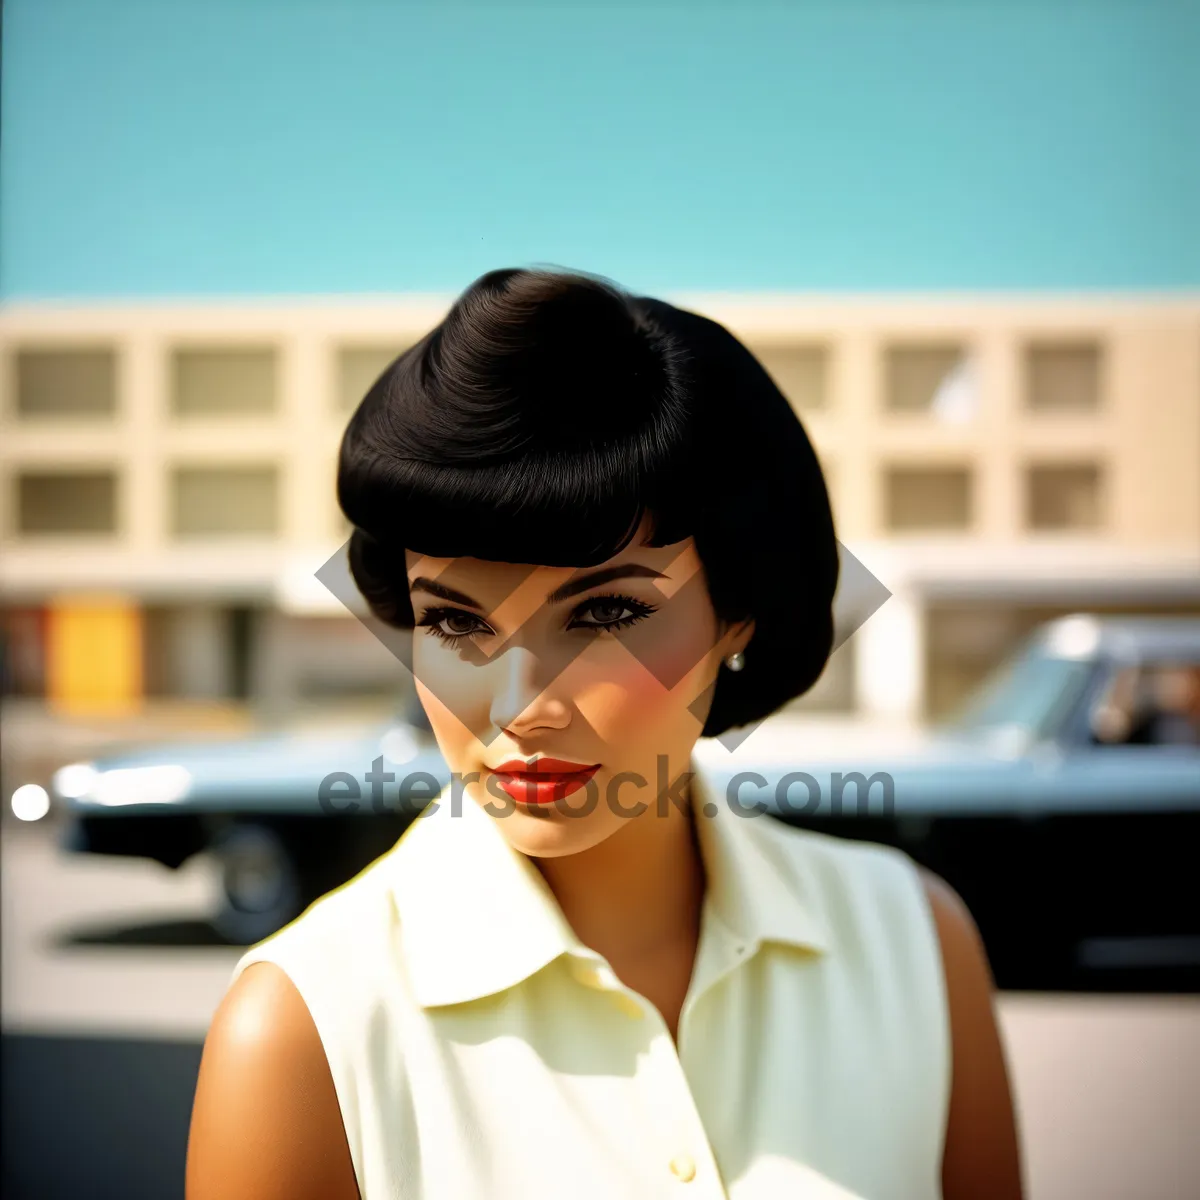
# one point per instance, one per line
(638, 893)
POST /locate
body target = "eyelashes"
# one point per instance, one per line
(434, 618)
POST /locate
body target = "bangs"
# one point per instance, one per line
(531, 426)
(554, 512)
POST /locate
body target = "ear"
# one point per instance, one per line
(745, 633)
(736, 635)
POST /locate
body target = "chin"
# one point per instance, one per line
(552, 835)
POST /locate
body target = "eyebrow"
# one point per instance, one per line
(571, 588)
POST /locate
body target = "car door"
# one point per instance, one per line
(1118, 798)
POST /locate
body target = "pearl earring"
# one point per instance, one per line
(736, 661)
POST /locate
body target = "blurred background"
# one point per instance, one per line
(963, 239)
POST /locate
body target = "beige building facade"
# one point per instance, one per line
(992, 461)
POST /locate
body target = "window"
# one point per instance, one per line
(221, 501)
(802, 373)
(1030, 690)
(224, 381)
(1063, 377)
(66, 502)
(358, 368)
(927, 499)
(192, 650)
(1154, 704)
(834, 690)
(1064, 497)
(23, 647)
(934, 378)
(65, 381)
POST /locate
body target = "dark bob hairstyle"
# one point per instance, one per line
(549, 413)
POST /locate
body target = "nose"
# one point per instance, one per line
(523, 700)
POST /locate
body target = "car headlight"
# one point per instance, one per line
(74, 781)
(399, 745)
(30, 802)
(125, 785)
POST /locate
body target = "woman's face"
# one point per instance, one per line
(606, 668)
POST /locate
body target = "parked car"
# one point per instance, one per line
(1063, 803)
(274, 810)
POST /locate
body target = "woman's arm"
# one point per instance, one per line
(266, 1124)
(981, 1159)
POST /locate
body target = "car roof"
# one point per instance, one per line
(1092, 635)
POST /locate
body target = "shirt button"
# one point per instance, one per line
(683, 1168)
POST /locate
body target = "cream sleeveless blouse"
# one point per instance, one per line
(481, 1052)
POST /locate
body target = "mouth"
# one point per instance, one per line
(542, 780)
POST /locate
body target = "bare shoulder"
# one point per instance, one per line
(956, 926)
(982, 1157)
(266, 1122)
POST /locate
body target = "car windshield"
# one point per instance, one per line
(1031, 691)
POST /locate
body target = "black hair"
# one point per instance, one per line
(547, 414)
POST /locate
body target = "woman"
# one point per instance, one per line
(584, 971)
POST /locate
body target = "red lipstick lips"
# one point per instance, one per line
(543, 780)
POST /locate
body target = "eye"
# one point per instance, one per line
(433, 619)
(609, 610)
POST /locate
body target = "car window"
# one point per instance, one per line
(1154, 704)
(1032, 691)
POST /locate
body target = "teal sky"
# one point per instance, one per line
(228, 147)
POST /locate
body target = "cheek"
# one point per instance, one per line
(451, 691)
(630, 698)
(676, 652)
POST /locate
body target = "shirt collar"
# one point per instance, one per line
(477, 917)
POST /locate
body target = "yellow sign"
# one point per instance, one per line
(94, 655)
